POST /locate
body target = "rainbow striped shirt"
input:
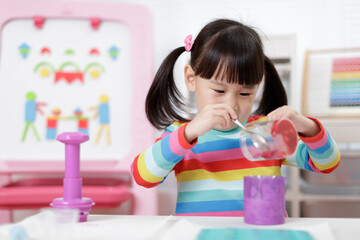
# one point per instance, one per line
(210, 171)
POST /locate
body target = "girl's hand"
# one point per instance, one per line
(303, 125)
(217, 116)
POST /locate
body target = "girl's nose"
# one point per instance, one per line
(232, 102)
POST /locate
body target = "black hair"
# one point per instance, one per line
(223, 48)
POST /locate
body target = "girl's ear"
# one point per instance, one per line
(189, 78)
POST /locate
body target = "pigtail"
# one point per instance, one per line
(164, 101)
(274, 94)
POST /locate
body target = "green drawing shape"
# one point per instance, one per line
(71, 64)
(30, 96)
(76, 118)
(94, 64)
(44, 64)
(69, 51)
(29, 124)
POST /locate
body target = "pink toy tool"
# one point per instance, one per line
(72, 183)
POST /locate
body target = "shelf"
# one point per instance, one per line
(322, 197)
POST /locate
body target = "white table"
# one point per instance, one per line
(172, 227)
(339, 228)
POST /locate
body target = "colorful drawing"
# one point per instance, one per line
(102, 112)
(31, 107)
(69, 77)
(24, 50)
(45, 69)
(113, 52)
(345, 82)
(78, 112)
(52, 122)
(94, 69)
(82, 121)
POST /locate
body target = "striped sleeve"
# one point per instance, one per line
(152, 165)
(318, 154)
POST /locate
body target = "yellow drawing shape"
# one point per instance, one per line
(44, 72)
(94, 73)
(104, 98)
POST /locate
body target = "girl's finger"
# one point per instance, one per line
(225, 115)
(229, 109)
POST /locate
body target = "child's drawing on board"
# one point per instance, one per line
(31, 107)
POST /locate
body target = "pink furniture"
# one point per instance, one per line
(34, 192)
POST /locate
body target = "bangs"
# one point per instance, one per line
(231, 57)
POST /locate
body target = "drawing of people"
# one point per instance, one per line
(102, 112)
(31, 107)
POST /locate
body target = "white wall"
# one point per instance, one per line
(317, 24)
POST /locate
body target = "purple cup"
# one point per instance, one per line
(264, 200)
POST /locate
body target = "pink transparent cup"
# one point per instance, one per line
(280, 135)
(264, 200)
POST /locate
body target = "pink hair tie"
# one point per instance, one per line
(188, 43)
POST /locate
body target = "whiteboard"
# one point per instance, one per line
(69, 42)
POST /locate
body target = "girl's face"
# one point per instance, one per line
(238, 97)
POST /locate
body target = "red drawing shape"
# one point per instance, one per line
(94, 51)
(83, 123)
(69, 76)
(51, 123)
(45, 50)
(38, 107)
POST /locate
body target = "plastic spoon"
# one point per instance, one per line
(259, 141)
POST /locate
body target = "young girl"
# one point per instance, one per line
(226, 67)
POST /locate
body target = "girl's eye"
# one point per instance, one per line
(245, 94)
(219, 91)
